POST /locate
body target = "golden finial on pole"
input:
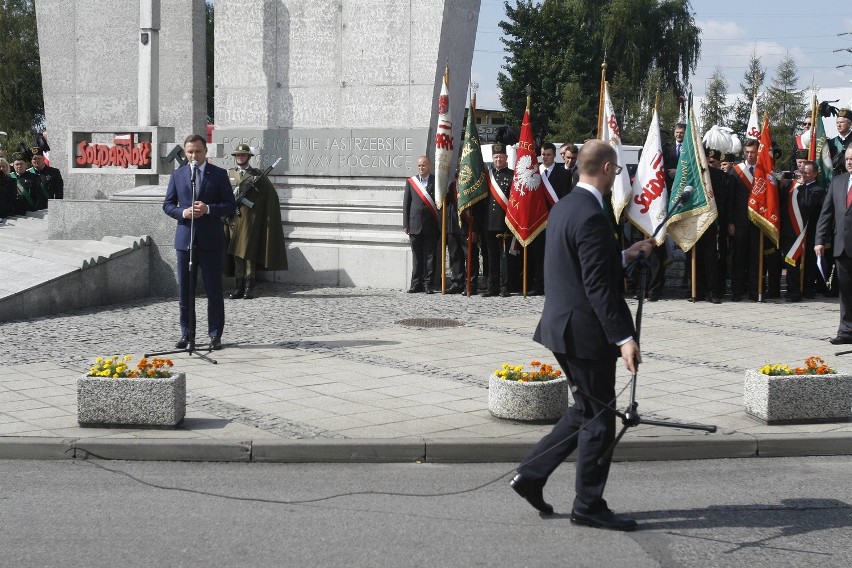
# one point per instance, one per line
(529, 96)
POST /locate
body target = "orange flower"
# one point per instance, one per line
(535, 363)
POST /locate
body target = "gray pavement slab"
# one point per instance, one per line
(323, 369)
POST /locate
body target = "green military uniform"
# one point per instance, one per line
(256, 235)
(29, 195)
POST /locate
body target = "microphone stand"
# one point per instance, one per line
(190, 348)
(630, 417)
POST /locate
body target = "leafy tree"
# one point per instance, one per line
(714, 109)
(754, 77)
(557, 46)
(21, 99)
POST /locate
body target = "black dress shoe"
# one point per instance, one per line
(531, 491)
(429, 290)
(736, 297)
(215, 343)
(713, 299)
(489, 293)
(605, 520)
(415, 289)
(504, 293)
(793, 298)
(184, 342)
(653, 297)
(455, 289)
(840, 340)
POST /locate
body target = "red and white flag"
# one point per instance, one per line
(443, 143)
(753, 129)
(649, 202)
(610, 133)
(763, 206)
(526, 215)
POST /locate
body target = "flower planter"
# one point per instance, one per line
(158, 402)
(544, 401)
(792, 399)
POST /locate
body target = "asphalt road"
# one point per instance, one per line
(749, 512)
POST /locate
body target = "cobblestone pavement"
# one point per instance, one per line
(335, 363)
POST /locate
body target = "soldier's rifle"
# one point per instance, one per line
(242, 195)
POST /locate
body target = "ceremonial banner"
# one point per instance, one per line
(610, 133)
(649, 202)
(818, 151)
(526, 215)
(763, 206)
(752, 130)
(698, 211)
(472, 179)
(443, 143)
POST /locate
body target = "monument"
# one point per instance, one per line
(344, 91)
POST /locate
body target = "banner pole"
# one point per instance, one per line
(760, 270)
(694, 271)
(525, 271)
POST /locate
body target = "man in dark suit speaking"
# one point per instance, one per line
(199, 237)
(586, 324)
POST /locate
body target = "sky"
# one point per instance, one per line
(730, 32)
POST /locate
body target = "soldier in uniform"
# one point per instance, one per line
(837, 146)
(30, 196)
(493, 229)
(255, 235)
(49, 177)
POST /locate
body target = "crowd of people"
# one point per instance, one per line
(27, 181)
(726, 257)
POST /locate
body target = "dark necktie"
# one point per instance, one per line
(751, 170)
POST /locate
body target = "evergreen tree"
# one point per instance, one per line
(786, 106)
(714, 110)
(557, 47)
(754, 77)
(21, 98)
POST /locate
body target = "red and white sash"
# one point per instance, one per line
(420, 189)
(552, 198)
(498, 194)
(799, 227)
(746, 177)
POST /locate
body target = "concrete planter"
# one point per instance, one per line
(798, 398)
(131, 402)
(534, 401)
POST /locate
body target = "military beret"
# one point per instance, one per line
(242, 149)
(498, 148)
(801, 153)
(729, 158)
(844, 113)
(713, 153)
(18, 156)
(36, 151)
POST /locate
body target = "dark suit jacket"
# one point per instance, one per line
(215, 191)
(560, 180)
(416, 216)
(584, 310)
(670, 159)
(835, 214)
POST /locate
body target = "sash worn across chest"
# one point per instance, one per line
(498, 194)
(745, 176)
(799, 226)
(551, 193)
(420, 189)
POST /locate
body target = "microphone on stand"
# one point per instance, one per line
(194, 167)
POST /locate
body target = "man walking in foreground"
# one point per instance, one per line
(586, 324)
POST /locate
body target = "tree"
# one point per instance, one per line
(785, 105)
(754, 77)
(714, 109)
(21, 99)
(557, 47)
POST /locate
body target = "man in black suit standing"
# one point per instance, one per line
(199, 237)
(420, 223)
(586, 324)
(835, 213)
(49, 177)
(569, 153)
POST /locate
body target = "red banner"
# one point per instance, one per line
(763, 206)
(526, 215)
